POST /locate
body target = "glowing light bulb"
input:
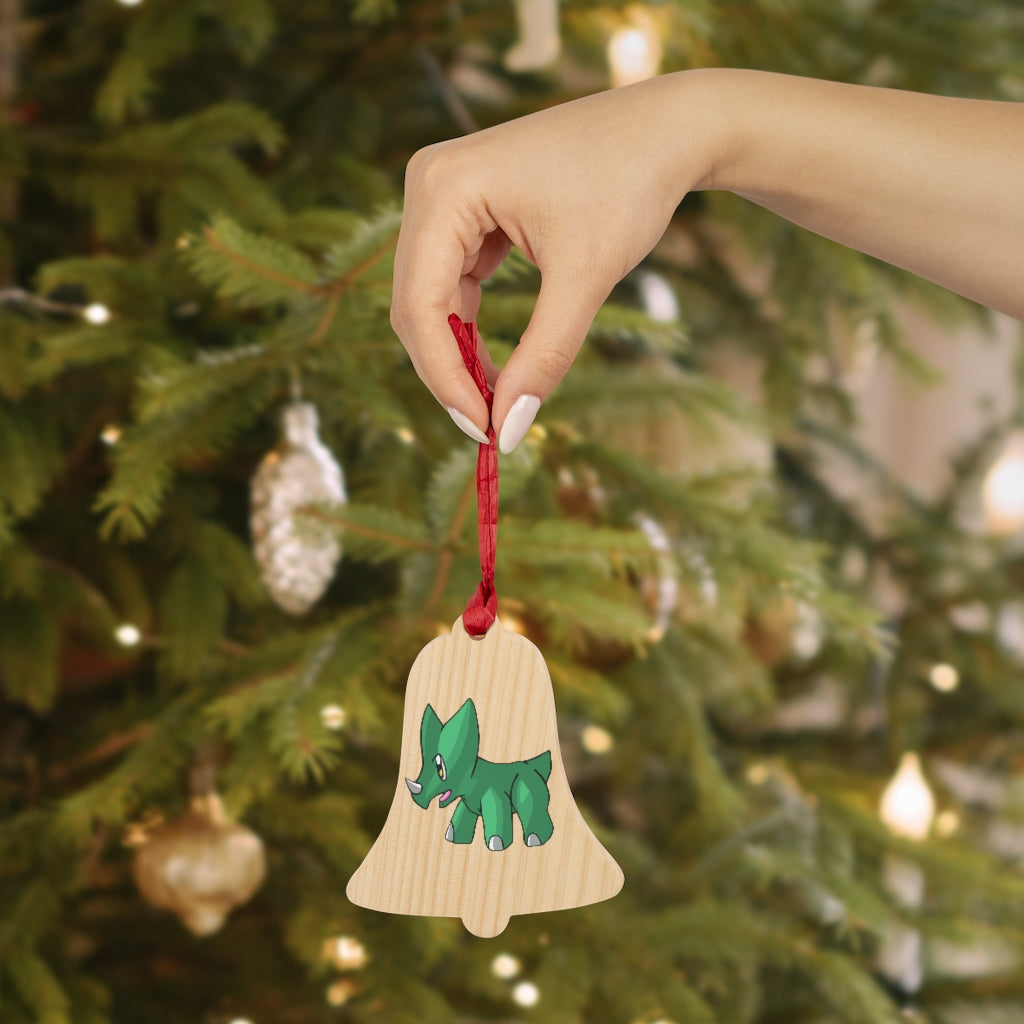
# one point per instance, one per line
(944, 678)
(405, 435)
(505, 966)
(526, 994)
(337, 994)
(596, 740)
(110, 434)
(332, 716)
(757, 774)
(127, 635)
(96, 313)
(947, 823)
(1003, 490)
(634, 53)
(348, 953)
(908, 806)
(129, 3)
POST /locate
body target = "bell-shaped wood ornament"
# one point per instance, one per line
(483, 824)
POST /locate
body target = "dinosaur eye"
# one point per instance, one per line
(442, 771)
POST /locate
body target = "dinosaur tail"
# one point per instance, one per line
(541, 764)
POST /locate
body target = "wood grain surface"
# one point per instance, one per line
(413, 869)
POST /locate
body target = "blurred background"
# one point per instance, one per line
(767, 535)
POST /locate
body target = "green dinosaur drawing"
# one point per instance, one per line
(453, 770)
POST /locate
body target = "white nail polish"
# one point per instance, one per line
(517, 422)
(467, 426)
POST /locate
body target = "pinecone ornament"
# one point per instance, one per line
(296, 555)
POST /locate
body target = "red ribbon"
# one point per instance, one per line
(482, 607)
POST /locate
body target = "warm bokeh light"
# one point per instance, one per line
(347, 953)
(596, 740)
(526, 994)
(332, 716)
(505, 966)
(96, 313)
(944, 677)
(907, 805)
(1003, 491)
(127, 635)
(634, 54)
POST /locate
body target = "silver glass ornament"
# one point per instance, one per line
(296, 555)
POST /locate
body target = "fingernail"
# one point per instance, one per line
(467, 426)
(517, 422)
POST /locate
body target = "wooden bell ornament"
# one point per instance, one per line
(483, 824)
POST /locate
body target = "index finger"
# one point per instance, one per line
(434, 246)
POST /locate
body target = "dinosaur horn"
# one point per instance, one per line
(414, 787)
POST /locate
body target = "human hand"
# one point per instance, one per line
(584, 189)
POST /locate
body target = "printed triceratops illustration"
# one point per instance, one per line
(453, 770)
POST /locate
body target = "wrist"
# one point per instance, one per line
(720, 99)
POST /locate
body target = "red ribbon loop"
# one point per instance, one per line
(482, 607)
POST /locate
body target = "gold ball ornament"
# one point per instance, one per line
(296, 555)
(200, 866)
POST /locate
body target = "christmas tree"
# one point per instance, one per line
(231, 515)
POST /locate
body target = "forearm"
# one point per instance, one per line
(932, 184)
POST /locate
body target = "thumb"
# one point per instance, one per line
(561, 318)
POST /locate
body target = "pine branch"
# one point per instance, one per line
(352, 258)
(253, 270)
(372, 534)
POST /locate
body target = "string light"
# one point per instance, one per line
(907, 805)
(127, 635)
(757, 774)
(110, 434)
(596, 740)
(1003, 490)
(405, 435)
(505, 966)
(96, 313)
(337, 993)
(947, 823)
(634, 51)
(526, 994)
(129, 3)
(332, 716)
(944, 678)
(347, 953)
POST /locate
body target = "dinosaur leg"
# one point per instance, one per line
(530, 800)
(462, 826)
(496, 810)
